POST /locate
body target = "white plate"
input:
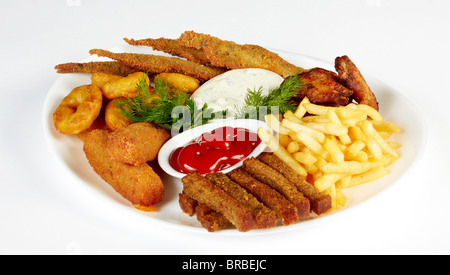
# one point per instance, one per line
(394, 107)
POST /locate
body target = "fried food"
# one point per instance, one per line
(283, 208)
(137, 143)
(323, 87)
(320, 202)
(78, 110)
(183, 83)
(114, 119)
(230, 55)
(99, 123)
(109, 67)
(99, 79)
(263, 217)
(204, 191)
(173, 47)
(162, 64)
(209, 219)
(277, 181)
(138, 184)
(124, 86)
(352, 78)
(350, 150)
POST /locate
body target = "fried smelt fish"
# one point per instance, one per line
(171, 46)
(138, 184)
(109, 67)
(323, 87)
(284, 209)
(320, 202)
(136, 143)
(230, 55)
(277, 181)
(352, 78)
(263, 217)
(162, 64)
(204, 191)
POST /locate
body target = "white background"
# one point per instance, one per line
(405, 44)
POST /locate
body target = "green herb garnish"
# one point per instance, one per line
(166, 106)
(276, 101)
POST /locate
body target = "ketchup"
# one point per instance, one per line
(214, 151)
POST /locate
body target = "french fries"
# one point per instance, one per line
(334, 148)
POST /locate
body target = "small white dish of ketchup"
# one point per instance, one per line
(218, 146)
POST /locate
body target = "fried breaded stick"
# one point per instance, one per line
(263, 217)
(234, 56)
(209, 219)
(138, 184)
(284, 209)
(352, 78)
(109, 67)
(277, 181)
(173, 47)
(136, 143)
(323, 87)
(162, 64)
(320, 202)
(204, 191)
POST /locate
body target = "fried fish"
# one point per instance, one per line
(162, 64)
(230, 55)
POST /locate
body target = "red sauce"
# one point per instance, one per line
(214, 151)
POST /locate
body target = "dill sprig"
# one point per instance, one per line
(279, 100)
(165, 106)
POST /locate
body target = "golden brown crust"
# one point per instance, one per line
(109, 67)
(320, 202)
(352, 78)
(277, 181)
(321, 86)
(263, 217)
(173, 47)
(136, 143)
(162, 64)
(202, 190)
(284, 209)
(138, 184)
(210, 219)
(228, 54)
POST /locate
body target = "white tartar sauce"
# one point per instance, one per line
(228, 90)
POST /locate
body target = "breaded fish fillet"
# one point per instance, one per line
(230, 55)
(320, 202)
(138, 184)
(136, 143)
(323, 87)
(352, 78)
(162, 64)
(277, 181)
(109, 67)
(171, 46)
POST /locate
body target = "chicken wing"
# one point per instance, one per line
(352, 78)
